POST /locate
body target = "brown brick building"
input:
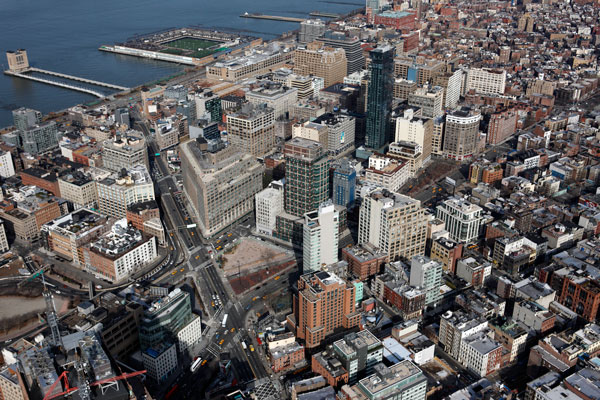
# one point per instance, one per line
(364, 260)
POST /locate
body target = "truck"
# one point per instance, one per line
(224, 323)
(244, 345)
(195, 364)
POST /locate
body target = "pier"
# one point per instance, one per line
(324, 14)
(76, 78)
(55, 83)
(272, 17)
(18, 66)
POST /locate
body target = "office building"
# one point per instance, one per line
(379, 96)
(7, 167)
(344, 183)
(429, 100)
(437, 138)
(418, 69)
(261, 60)
(79, 189)
(320, 60)
(386, 172)
(3, 239)
(359, 353)
(480, 354)
(166, 133)
(303, 84)
(325, 302)
(122, 117)
(33, 135)
(351, 46)
(252, 129)
(446, 251)
(408, 153)
(502, 125)
(320, 237)
(208, 104)
(455, 326)
(426, 274)
(401, 381)
(451, 82)
(269, 204)
(461, 219)
(118, 253)
(168, 326)
(394, 223)
(125, 151)
(277, 96)
(220, 185)
(67, 236)
(411, 128)
(12, 386)
(307, 176)
(120, 190)
(486, 80)
(310, 30)
(339, 131)
(461, 134)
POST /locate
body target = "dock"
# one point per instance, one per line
(78, 79)
(55, 83)
(324, 14)
(272, 17)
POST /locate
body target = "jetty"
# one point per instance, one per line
(272, 17)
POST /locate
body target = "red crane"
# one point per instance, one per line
(69, 390)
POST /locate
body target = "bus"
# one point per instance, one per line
(196, 364)
(224, 323)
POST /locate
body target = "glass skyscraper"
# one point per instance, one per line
(379, 99)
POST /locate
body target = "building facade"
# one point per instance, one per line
(379, 96)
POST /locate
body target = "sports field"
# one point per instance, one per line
(195, 47)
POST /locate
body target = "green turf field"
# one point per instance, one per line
(192, 45)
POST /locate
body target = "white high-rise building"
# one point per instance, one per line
(7, 168)
(320, 237)
(160, 362)
(427, 275)
(486, 80)
(461, 219)
(394, 223)
(453, 89)
(411, 128)
(268, 204)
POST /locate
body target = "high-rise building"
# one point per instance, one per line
(451, 82)
(220, 185)
(502, 125)
(320, 237)
(167, 323)
(166, 133)
(340, 132)
(379, 96)
(25, 118)
(252, 129)
(120, 190)
(358, 352)
(461, 219)
(125, 151)
(208, 104)
(325, 302)
(427, 275)
(429, 100)
(122, 117)
(306, 175)
(411, 128)
(351, 46)
(310, 30)
(277, 96)
(79, 189)
(394, 223)
(344, 183)
(7, 167)
(461, 134)
(486, 80)
(269, 204)
(3, 239)
(322, 61)
(33, 135)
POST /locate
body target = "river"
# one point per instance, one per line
(64, 35)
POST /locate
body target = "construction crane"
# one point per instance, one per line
(68, 389)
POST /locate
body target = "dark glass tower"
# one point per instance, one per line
(379, 98)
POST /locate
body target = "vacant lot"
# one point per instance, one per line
(251, 254)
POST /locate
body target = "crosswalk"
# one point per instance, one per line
(214, 349)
